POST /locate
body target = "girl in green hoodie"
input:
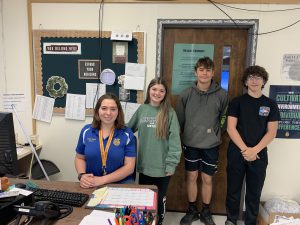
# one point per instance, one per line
(159, 148)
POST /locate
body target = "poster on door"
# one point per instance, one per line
(288, 101)
(184, 59)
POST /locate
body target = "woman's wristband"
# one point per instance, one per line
(80, 175)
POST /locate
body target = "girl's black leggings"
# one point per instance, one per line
(162, 185)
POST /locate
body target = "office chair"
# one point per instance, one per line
(50, 167)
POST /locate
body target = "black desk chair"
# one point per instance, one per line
(50, 168)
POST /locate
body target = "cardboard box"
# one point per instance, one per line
(265, 218)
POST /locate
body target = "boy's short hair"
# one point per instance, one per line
(257, 71)
(206, 62)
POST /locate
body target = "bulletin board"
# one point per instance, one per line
(66, 66)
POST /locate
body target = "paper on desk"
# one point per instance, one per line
(21, 151)
(21, 191)
(121, 196)
(138, 197)
(283, 220)
(98, 217)
(97, 196)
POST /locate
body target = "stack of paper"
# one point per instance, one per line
(116, 197)
(97, 196)
(283, 220)
(99, 217)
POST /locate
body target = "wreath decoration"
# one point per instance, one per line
(57, 93)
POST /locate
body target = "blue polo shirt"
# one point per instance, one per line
(123, 144)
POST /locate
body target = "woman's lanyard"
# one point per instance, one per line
(104, 152)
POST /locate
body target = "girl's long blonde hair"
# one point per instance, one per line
(162, 118)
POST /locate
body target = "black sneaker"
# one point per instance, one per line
(206, 218)
(190, 216)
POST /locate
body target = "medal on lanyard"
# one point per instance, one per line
(104, 171)
(104, 151)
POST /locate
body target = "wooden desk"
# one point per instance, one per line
(78, 213)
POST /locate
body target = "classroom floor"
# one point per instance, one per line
(173, 218)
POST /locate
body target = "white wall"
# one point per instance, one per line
(60, 137)
(15, 74)
(2, 53)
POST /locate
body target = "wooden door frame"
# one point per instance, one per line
(250, 24)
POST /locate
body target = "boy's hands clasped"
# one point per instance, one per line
(250, 154)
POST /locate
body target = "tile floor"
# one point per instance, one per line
(173, 218)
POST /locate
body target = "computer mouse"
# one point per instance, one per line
(20, 185)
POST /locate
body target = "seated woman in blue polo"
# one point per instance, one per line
(106, 149)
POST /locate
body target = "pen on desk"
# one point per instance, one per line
(109, 222)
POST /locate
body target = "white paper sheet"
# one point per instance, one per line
(99, 217)
(43, 108)
(290, 68)
(16, 99)
(134, 83)
(120, 50)
(129, 196)
(91, 89)
(134, 76)
(75, 107)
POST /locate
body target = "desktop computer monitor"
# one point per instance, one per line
(8, 152)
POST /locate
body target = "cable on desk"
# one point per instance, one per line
(30, 166)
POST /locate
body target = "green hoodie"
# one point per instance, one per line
(156, 157)
(202, 115)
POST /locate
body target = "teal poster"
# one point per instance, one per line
(184, 59)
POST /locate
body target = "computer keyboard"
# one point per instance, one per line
(62, 197)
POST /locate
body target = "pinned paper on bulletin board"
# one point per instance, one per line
(134, 76)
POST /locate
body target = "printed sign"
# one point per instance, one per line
(89, 69)
(288, 101)
(56, 48)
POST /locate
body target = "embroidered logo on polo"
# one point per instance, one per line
(116, 142)
(91, 139)
(264, 111)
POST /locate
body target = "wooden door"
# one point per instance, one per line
(237, 40)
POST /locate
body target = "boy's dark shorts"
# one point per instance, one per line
(204, 160)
